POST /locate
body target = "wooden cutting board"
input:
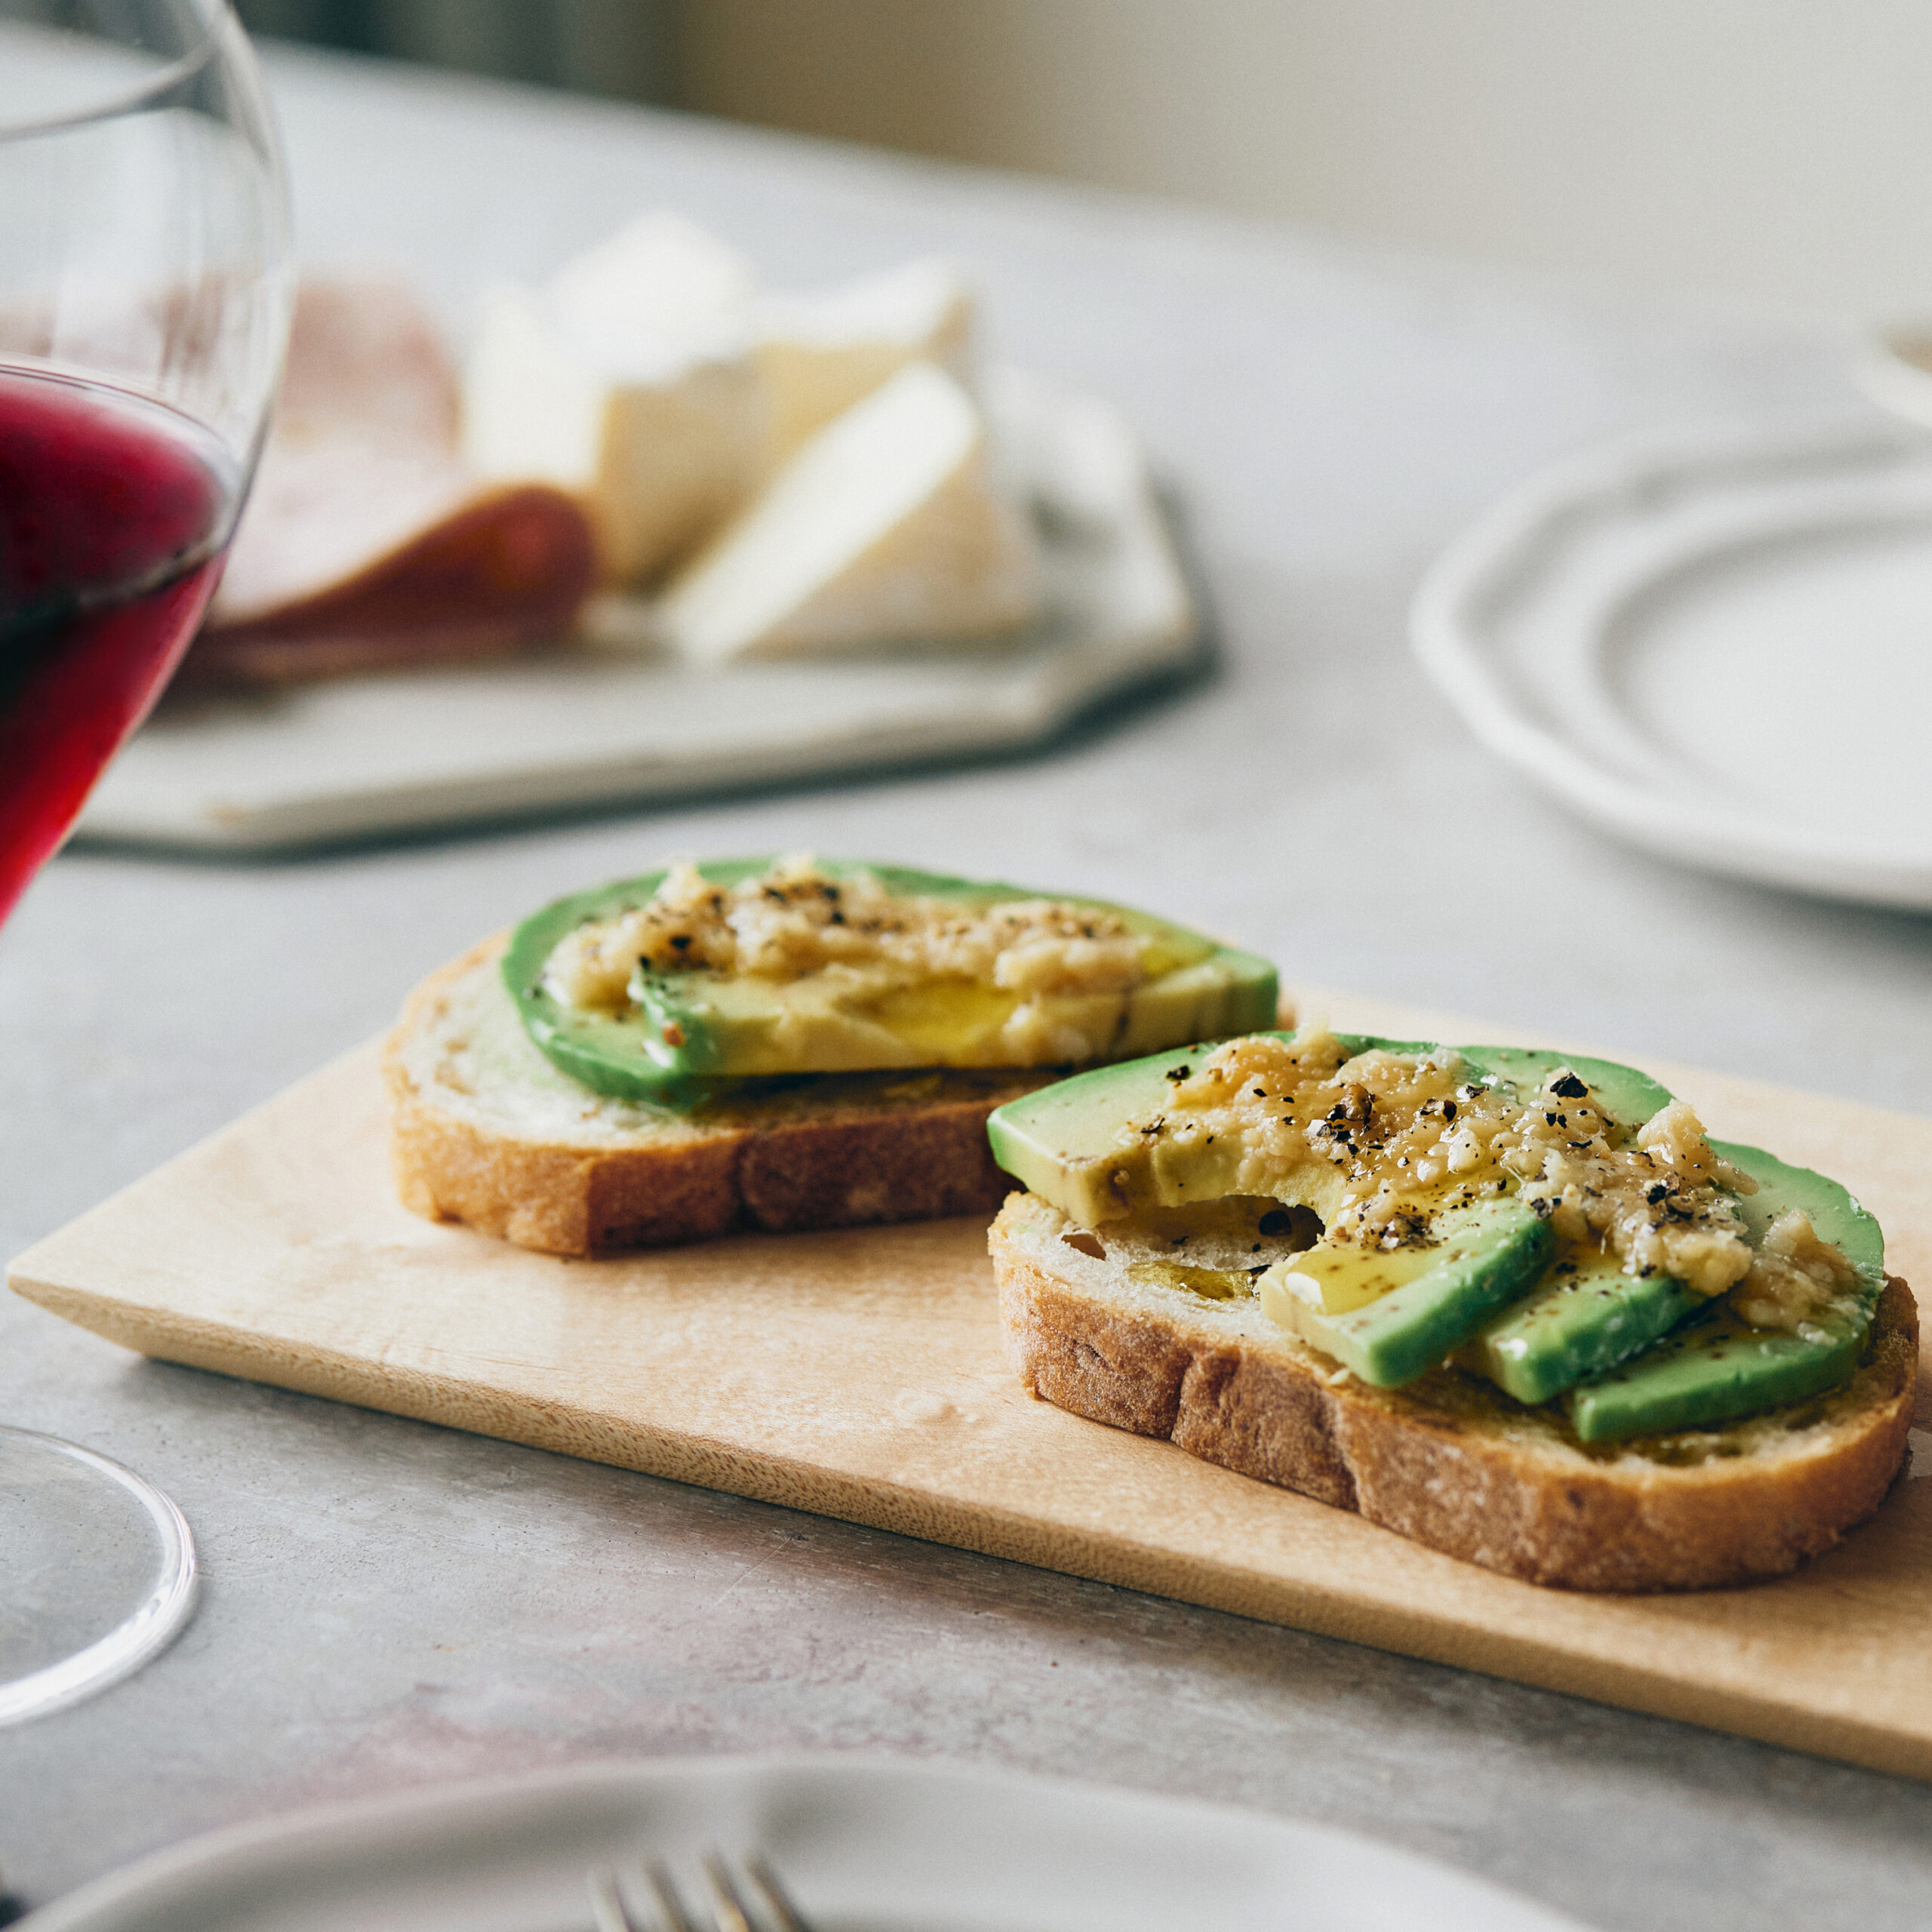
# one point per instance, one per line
(859, 1373)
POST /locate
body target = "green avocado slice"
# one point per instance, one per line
(1064, 1142)
(1716, 1369)
(1587, 1317)
(1583, 1322)
(1631, 1096)
(1483, 1253)
(687, 1035)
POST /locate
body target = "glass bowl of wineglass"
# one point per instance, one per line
(144, 299)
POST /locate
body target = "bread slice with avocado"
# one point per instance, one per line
(1513, 1305)
(775, 1044)
(486, 1131)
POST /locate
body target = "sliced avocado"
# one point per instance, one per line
(606, 1052)
(1715, 1368)
(684, 1033)
(1834, 1213)
(1591, 1315)
(1064, 1142)
(1587, 1316)
(1621, 1091)
(1391, 1317)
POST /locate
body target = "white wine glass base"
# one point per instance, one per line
(99, 1570)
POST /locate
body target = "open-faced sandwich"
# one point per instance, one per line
(1514, 1305)
(772, 1043)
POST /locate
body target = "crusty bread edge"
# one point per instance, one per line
(1625, 1525)
(846, 1167)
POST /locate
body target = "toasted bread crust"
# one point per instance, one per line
(899, 1148)
(1618, 1522)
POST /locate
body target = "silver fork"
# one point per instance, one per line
(731, 1911)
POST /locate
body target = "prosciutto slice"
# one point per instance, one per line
(366, 542)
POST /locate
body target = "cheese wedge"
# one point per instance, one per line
(823, 352)
(887, 526)
(660, 279)
(629, 381)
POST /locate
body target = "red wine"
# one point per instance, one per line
(114, 512)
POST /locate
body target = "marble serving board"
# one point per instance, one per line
(610, 718)
(859, 1373)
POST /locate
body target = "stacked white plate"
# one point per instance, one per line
(1716, 644)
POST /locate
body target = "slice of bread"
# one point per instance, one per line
(486, 1131)
(1448, 1460)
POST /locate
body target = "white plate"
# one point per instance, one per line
(871, 1845)
(1717, 645)
(407, 750)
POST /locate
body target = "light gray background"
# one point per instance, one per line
(389, 1603)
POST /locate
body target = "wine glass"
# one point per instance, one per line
(144, 301)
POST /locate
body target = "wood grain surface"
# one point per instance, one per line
(859, 1373)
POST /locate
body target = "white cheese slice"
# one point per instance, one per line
(887, 526)
(823, 352)
(659, 288)
(629, 381)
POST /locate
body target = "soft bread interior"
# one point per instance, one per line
(463, 1050)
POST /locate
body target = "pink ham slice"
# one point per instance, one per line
(366, 544)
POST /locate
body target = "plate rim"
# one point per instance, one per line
(106, 1903)
(1445, 624)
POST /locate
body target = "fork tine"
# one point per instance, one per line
(607, 1902)
(733, 1913)
(669, 1904)
(790, 1918)
(607, 1906)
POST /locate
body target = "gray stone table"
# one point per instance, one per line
(389, 1603)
